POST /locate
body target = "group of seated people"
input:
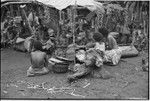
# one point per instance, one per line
(11, 30)
(95, 53)
(104, 49)
(100, 46)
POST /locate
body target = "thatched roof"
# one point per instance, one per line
(3, 1)
(9, 2)
(62, 4)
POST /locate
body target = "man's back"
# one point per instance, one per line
(38, 59)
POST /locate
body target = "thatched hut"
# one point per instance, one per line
(12, 7)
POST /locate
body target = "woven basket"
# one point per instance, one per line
(58, 65)
(60, 68)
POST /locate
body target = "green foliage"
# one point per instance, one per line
(123, 13)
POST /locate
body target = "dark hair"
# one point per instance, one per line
(97, 37)
(103, 31)
(37, 45)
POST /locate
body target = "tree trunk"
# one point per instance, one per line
(18, 10)
(11, 11)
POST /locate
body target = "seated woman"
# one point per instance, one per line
(89, 59)
(97, 49)
(113, 53)
(39, 61)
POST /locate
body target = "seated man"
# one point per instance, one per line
(39, 61)
(113, 53)
(110, 40)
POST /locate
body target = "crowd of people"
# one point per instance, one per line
(17, 27)
(99, 47)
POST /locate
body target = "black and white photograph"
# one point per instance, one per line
(74, 50)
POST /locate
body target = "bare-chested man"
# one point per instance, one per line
(110, 40)
(39, 61)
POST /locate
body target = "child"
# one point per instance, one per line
(39, 61)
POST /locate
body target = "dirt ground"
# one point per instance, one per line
(128, 81)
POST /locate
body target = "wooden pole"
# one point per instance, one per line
(11, 11)
(73, 29)
(33, 13)
(18, 10)
(60, 16)
(73, 25)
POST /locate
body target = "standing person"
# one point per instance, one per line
(39, 61)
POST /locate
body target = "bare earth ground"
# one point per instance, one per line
(128, 81)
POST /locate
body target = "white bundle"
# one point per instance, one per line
(19, 40)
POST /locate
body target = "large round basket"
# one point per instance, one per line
(60, 68)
